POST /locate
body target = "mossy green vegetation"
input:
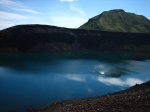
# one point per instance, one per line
(118, 21)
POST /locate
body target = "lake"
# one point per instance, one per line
(30, 80)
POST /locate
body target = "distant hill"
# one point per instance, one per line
(44, 38)
(118, 20)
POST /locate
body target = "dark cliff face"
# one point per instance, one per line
(44, 38)
(118, 20)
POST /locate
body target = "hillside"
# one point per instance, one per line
(118, 20)
(44, 38)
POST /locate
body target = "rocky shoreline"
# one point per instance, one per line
(134, 99)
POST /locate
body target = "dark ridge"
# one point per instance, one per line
(44, 38)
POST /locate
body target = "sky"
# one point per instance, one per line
(63, 13)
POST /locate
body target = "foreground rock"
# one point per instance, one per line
(134, 99)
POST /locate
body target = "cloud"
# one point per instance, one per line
(75, 77)
(10, 16)
(5, 24)
(111, 81)
(13, 13)
(68, 0)
(90, 90)
(10, 19)
(68, 21)
(17, 5)
(133, 81)
(6, 2)
(76, 9)
(27, 10)
(118, 82)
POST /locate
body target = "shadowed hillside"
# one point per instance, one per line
(44, 38)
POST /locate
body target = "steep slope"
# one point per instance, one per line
(44, 38)
(118, 20)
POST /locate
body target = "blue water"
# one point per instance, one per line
(36, 79)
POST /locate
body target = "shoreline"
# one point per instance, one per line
(133, 99)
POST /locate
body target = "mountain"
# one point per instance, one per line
(44, 38)
(119, 21)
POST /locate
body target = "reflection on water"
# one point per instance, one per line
(33, 80)
(119, 82)
(74, 77)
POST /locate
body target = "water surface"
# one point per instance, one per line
(36, 79)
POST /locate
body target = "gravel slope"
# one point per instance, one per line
(134, 99)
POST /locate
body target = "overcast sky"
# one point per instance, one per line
(63, 13)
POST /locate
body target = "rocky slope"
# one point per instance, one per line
(134, 99)
(118, 20)
(44, 38)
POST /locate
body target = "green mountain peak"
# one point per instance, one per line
(119, 21)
